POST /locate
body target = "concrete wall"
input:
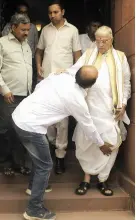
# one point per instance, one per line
(123, 25)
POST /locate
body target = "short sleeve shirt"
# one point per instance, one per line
(58, 45)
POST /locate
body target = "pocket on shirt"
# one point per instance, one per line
(15, 55)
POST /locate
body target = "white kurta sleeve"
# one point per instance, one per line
(127, 85)
(77, 107)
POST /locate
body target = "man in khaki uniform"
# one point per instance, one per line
(15, 85)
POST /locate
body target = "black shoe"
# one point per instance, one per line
(60, 167)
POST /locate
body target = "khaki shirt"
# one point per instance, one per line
(32, 36)
(58, 45)
(15, 66)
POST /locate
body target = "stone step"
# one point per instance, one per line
(62, 199)
(73, 174)
(103, 215)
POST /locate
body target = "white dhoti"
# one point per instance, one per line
(58, 136)
(100, 104)
(92, 160)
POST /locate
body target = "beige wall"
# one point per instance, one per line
(123, 26)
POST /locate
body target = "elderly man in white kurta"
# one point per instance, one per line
(107, 101)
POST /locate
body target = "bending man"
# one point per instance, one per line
(55, 98)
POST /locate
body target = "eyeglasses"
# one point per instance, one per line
(102, 41)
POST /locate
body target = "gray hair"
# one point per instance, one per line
(104, 31)
(17, 19)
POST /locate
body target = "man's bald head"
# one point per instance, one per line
(86, 76)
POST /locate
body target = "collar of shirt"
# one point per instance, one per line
(87, 37)
(12, 37)
(65, 24)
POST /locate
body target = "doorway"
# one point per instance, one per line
(78, 13)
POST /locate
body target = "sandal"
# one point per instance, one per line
(9, 171)
(104, 189)
(23, 170)
(83, 188)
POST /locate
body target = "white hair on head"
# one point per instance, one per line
(104, 31)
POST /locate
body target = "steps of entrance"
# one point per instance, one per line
(62, 199)
(103, 215)
(73, 174)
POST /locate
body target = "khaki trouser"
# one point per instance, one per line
(58, 136)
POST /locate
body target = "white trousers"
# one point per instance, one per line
(58, 136)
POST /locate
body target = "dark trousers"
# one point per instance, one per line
(38, 148)
(11, 150)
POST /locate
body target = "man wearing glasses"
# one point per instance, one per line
(107, 101)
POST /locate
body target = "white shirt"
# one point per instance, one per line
(86, 42)
(55, 98)
(58, 45)
(15, 66)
